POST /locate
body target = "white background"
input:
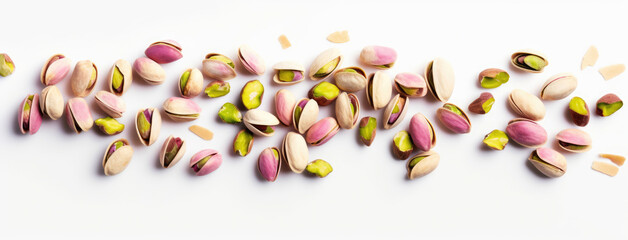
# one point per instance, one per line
(51, 183)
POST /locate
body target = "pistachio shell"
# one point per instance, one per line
(109, 126)
(440, 79)
(260, 122)
(324, 93)
(579, 111)
(269, 163)
(559, 86)
(205, 162)
(574, 140)
(148, 125)
(120, 77)
(252, 94)
(111, 104)
(217, 88)
(411, 85)
(83, 78)
(7, 66)
(378, 90)
(395, 111)
(172, 151)
(78, 116)
(190, 83)
(454, 118)
(325, 64)
(243, 142)
(378, 56)
(117, 158)
(149, 70)
(29, 116)
(251, 60)
(55, 69)
(181, 109)
(422, 164)
(422, 132)
(526, 132)
(304, 114)
(402, 145)
(549, 162)
(51, 102)
(367, 130)
(166, 51)
(284, 104)
(288, 73)
(221, 68)
(347, 110)
(534, 64)
(351, 79)
(294, 151)
(322, 131)
(526, 105)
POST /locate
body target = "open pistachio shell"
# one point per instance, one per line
(190, 83)
(378, 90)
(288, 73)
(83, 78)
(422, 164)
(304, 114)
(117, 157)
(322, 131)
(252, 94)
(120, 77)
(529, 61)
(325, 64)
(351, 79)
(574, 140)
(51, 102)
(284, 104)
(526, 132)
(149, 70)
(378, 56)
(251, 60)
(269, 163)
(148, 125)
(549, 162)
(395, 111)
(559, 86)
(111, 104)
(243, 142)
(422, 132)
(526, 105)
(294, 150)
(55, 69)
(402, 145)
(78, 116)
(410, 84)
(205, 162)
(454, 118)
(260, 122)
(219, 67)
(28, 117)
(181, 109)
(440, 79)
(7, 66)
(172, 151)
(166, 51)
(324, 93)
(347, 110)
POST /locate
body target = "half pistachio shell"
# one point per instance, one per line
(579, 111)
(149, 70)
(325, 64)
(288, 73)
(148, 125)
(304, 114)
(217, 88)
(402, 145)
(120, 77)
(252, 94)
(454, 118)
(205, 162)
(367, 130)
(55, 69)
(351, 79)
(78, 116)
(439, 75)
(294, 151)
(229, 113)
(269, 163)
(7, 66)
(347, 110)
(422, 132)
(117, 157)
(181, 109)
(109, 126)
(84, 78)
(410, 84)
(284, 104)
(243, 142)
(378, 56)
(260, 122)
(251, 60)
(529, 61)
(324, 93)
(395, 111)
(526, 132)
(166, 51)
(549, 162)
(219, 67)
(378, 90)
(111, 104)
(190, 83)
(526, 105)
(574, 140)
(172, 151)
(51, 102)
(322, 131)
(559, 86)
(29, 117)
(422, 164)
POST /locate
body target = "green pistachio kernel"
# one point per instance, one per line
(326, 90)
(229, 113)
(27, 104)
(202, 162)
(352, 109)
(286, 75)
(6, 65)
(217, 89)
(367, 130)
(351, 70)
(319, 167)
(409, 91)
(608, 109)
(534, 62)
(109, 126)
(488, 104)
(143, 125)
(578, 105)
(92, 79)
(496, 139)
(184, 80)
(572, 146)
(453, 108)
(493, 82)
(243, 142)
(252, 94)
(116, 80)
(403, 142)
(327, 68)
(415, 161)
(223, 59)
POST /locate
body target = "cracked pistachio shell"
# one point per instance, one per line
(243, 142)
(579, 111)
(205, 162)
(111, 104)
(608, 104)
(284, 104)
(252, 94)
(496, 139)
(83, 78)
(319, 167)
(439, 75)
(78, 115)
(422, 164)
(529, 61)
(51, 102)
(229, 113)
(526, 132)
(219, 67)
(120, 77)
(574, 140)
(149, 70)
(148, 125)
(172, 151)
(294, 150)
(288, 73)
(6, 65)
(181, 109)
(410, 84)
(55, 69)
(351, 79)
(347, 110)
(452, 117)
(325, 64)
(395, 111)
(166, 51)
(29, 117)
(493, 78)
(559, 86)
(251, 60)
(482, 104)
(109, 126)
(324, 93)
(269, 163)
(526, 105)
(378, 56)
(422, 132)
(190, 83)
(402, 145)
(378, 90)
(367, 130)
(217, 88)
(304, 114)
(549, 162)
(117, 157)
(322, 131)
(260, 122)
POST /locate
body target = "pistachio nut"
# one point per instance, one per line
(181, 109)
(304, 114)
(190, 83)
(325, 64)
(284, 104)
(55, 69)
(378, 56)
(243, 142)
(579, 111)
(526, 132)
(422, 132)
(294, 151)
(574, 140)
(29, 117)
(120, 77)
(252, 94)
(319, 167)
(322, 131)
(549, 162)
(324, 93)
(217, 88)
(149, 70)
(351, 79)
(148, 125)
(6, 65)
(83, 78)
(529, 61)
(439, 75)
(111, 104)
(452, 117)
(493, 78)
(483, 104)
(559, 86)
(526, 105)
(378, 90)
(269, 163)
(251, 60)
(347, 110)
(166, 51)
(410, 84)
(205, 162)
(422, 164)
(288, 73)
(172, 151)
(117, 157)
(368, 129)
(402, 145)
(229, 113)
(78, 115)
(109, 126)
(219, 67)
(260, 122)
(496, 139)
(608, 104)
(51, 102)
(395, 111)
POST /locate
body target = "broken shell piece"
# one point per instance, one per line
(202, 132)
(616, 159)
(606, 168)
(589, 58)
(339, 37)
(283, 40)
(612, 71)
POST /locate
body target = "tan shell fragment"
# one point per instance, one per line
(439, 75)
(589, 58)
(51, 102)
(177, 157)
(351, 81)
(612, 71)
(346, 118)
(322, 59)
(424, 166)
(378, 90)
(391, 119)
(126, 70)
(283, 40)
(339, 37)
(606, 168)
(119, 159)
(294, 150)
(526, 105)
(559, 86)
(288, 65)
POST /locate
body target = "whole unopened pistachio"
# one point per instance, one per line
(109, 126)
(452, 117)
(526, 132)
(574, 140)
(324, 93)
(217, 88)
(229, 113)
(304, 114)
(148, 125)
(51, 102)
(493, 77)
(378, 56)
(172, 151)
(482, 104)
(205, 162)
(319, 167)
(120, 77)
(422, 164)
(549, 162)
(219, 67)
(78, 115)
(166, 51)
(325, 64)
(288, 73)
(55, 69)
(84, 78)
(422, 132)
(439, 75)
(252, 94)
(243, 142)
(29, 117)
(368, 129)
(6, 65)
(269, 163)
(117, 157)
(579, 111)
(395, 111)
(608, 104)
(111, 104)
(284, 104)
(260, 122)
(559, 86)
(347, 110)
(378, 90)
(351, 79)
(294, 151)
(149, 70)
(411, 85)
(322, 131)
(251, 60)
(526, 105)
(402, 145)
(496, 139)
(529, 61)
(190, 83)
(181, 109)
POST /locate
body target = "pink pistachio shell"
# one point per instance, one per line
(212, 164)
(378, 55)
(421, 132)
(110, 103)
(251, 60)
(35, 119)
(166, 51)
(322, 131)
(574, 136)
(526, 133)
(284, 104)
(182, 105)
(55, 71)
(78, 112)
(552, 157)
(411, 81)
(453, 121)
(268, 165)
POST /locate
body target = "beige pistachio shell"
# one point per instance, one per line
(294, 150)
(559, 86)
(378, 90)
(194, 84)
(164, 151)
(439, 75)
(123, 67)
(526, 105)
(308, 115)
(288, 65)
(322, 59)
(392, 118)
(155, 127)
(424, 166)
(78, 115)
(260, 122)
(217, 69)
(55, 69)
(111, 104)
(51, 102)
(149, 70)
(347, 118)
(84, 78)
(513, 59)
(252, 61)
(351, 81)
(119, 159)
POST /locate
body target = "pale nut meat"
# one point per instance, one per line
(148, 125)
(347, 110)
(288, 73)
(205, 162)
(325, 64)
(181, 109)
(243, 142)
(422, 132)
(529, 61)
(526, 105)
(111, 104)
(411, 85)
(260, 122)
(55, 69)
(29, 117)
(454, 118)
(120, 77)
(51, 102)
(559, 86)
(149, 70)
(304, 114)
(322, 131)
(295, 152)
(402, 145)
(83, 78)
(440, 79)
(117, 157)
(172, 151)
(395, 111)
(219, 67)
(351, 79)
(422, 164)
(252, 61)
(165, 51)
(526, 132)
(574, 140)
(269, 163)
(190, 83)
(379, 90)
(549, 162)
(378, 56)
(78, 115)
(284, 104)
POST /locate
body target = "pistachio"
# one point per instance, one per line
(439, 75)
(6, 65)
(190, 83)
(111, 104)
(181, 109)
(288, 73)
(422, 164)
(549, 162)
(252, 94)
(78, 116)
(172, 151)
(378, 90)
(284, 104)
(148, 125)
(120, 77)
(322, 131)
(482, 104)
(84, 78)
(574, 140)
(304, 114)
(378, 56)
(205, 162)
(229, 113)
(452, 117)
(260, 122)
(608, 104)
(395, 111)
(559, 86)
(529, 61)
(243, 142)
(496, 139)
(351, 79)
(29, 117)
(251, 60)
(269, 164)
(324, 93)
(526, 132)
(526, 105)
(325, 64)
(117, 157)
(579, 111)
(493, 78)
(109, 126)
(217, 88)
(166, 51)
(347, 110)
(368, 129)
(55, 69)
(410, 84)
(219, 67)
(319, 167)
(294, 151)
(149, 70)
(422, 132)
(402, 145)
(51, 102)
